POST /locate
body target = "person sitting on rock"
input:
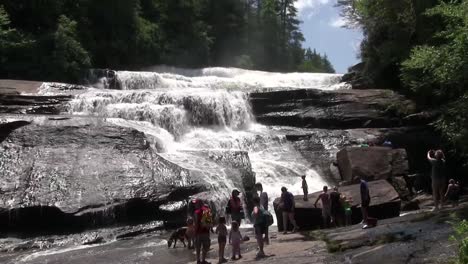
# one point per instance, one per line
(437, 160)
(305, 188)
(326, 206)
(453, 193)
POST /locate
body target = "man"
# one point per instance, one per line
(202, 231)
(287, 205)
(365, 201)
(324, 197)
(235, 207)
(263, 196)
(337, 209)
(438, 176)
(260, 225)
(305, 188)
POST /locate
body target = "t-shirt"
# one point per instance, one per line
(438, 168)
(335, 200)
(235, 205)
(288, 201)
(221, 230)
(198, 216)
(264, 200)
(365, 196)
(259, 217)
(235, 236)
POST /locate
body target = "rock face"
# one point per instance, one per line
(331, 109)
(385, 203)
(374, 163)
(83, 172)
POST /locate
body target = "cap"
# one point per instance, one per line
(235, 191)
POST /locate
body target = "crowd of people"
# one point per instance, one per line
(336, 211)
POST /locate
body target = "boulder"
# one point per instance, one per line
(385, 203)
(374, 163)
(337, 109)
(76, 173)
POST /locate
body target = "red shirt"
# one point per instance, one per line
(198, 216)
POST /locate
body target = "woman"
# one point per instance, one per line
(260, 225)
(235, 207)
(437, 160)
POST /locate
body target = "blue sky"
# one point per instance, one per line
(322, 29)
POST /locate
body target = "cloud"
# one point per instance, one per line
(338, 22)
(308, 7)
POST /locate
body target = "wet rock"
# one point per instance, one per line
(385, 203)
(339, 109)
(83, 172)
(33, 104)
(374, 163)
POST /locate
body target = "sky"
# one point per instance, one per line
(323, 30)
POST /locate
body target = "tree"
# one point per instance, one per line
(68, 58)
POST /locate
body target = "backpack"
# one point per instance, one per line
(267, 217)
(207, 218)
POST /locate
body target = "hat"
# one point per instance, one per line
(235, 191)
(283, 189)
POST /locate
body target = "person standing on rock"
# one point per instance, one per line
(264, 203)
(365, 200)
(326, 206)
(337, 209)
(287, 205)
(203, 224)
(234, 207)
(305, 188)
(437, 160)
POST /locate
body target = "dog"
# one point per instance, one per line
(179, 234)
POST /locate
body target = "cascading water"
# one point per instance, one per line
(206, 109)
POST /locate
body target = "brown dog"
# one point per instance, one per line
(179, 234)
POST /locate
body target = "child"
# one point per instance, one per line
(453, 192)
(190, 233)
(221, 230)
(348, 211)
(235, 238)
(305, 188)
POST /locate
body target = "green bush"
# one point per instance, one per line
(461, 237)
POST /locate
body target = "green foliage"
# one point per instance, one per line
(68, 58)
(58, 39)
(314, 62)
(461, 237)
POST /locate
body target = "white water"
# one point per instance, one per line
(207, 109)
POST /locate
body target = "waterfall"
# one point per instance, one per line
(207, 109)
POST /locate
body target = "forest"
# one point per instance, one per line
(418, 48)
(60, 39)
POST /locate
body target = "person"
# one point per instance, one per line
(305, 188)
(190, 233)
(337, 210)
(437, 160)
(234, 207)
(264, 203)
(453, 192)
(202, 230)
(365, 201)
(348, 210)
(221, 230)
(287, 205)
(260, 225)
(235, 238)
(324, 197)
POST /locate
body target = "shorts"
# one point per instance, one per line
(326, 212)
(222, 239)
(365, 203)
(203, 241)
(260, 229)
